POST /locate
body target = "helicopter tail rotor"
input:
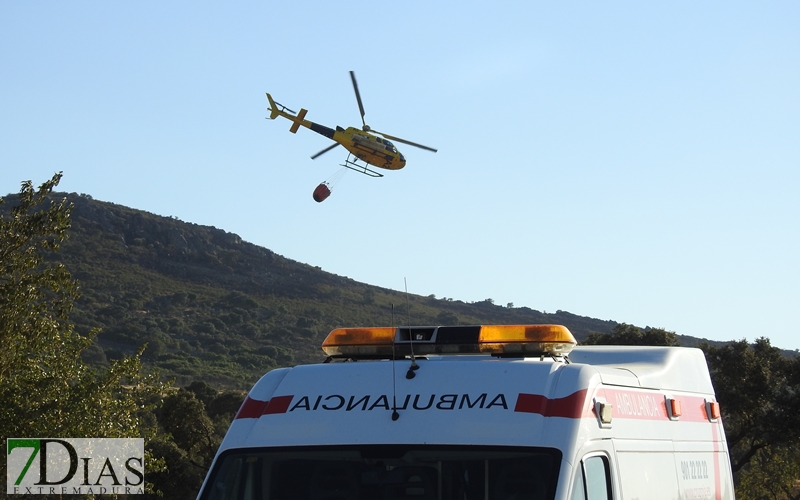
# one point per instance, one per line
(273, 108)
(277, 109)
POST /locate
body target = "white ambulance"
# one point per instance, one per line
(477, 413)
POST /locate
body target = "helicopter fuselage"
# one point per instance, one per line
(368, 147)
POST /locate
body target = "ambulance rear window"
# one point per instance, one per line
(391, 472)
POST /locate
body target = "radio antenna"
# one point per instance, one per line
(414, 366)
(395, 415)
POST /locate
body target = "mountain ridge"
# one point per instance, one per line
(214, 307)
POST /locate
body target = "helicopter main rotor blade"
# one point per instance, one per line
(358, 98)
(406, 142)
(325, 150)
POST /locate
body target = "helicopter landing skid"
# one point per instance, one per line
(361, 169)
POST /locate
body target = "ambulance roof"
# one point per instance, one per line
(666, 368)
(461, 399)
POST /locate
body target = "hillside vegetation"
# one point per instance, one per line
(213, 307)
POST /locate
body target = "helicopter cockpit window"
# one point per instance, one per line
(390, 146)
(386, 472)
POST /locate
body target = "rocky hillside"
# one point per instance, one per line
(215, 308)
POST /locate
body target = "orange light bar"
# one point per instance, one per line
(352, 342)
(499, 340)
(526, 339)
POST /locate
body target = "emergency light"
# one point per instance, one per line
(497, 340)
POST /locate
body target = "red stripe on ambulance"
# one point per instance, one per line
(254, 408)
(571, 406)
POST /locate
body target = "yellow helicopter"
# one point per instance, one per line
(363, 144)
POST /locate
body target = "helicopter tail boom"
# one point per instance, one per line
(277, 109)
(298, 120)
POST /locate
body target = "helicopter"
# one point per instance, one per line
(366, 147)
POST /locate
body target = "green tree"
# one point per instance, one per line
(180, 479)
(35, 296)
(773, 474)
(625, 334)
(194, 442)
(46, 390)
(195, 435)
(202, 391)
(758, 391)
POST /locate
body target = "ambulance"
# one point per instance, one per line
(510, 412)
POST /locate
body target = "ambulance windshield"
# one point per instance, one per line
(385, 473)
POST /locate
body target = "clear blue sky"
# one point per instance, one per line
(632, 161)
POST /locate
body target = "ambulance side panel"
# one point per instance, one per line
(657, 457)
(649, 453)
(701, 472)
